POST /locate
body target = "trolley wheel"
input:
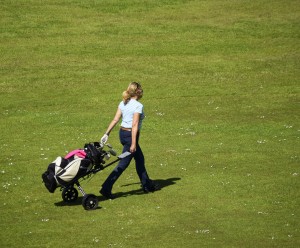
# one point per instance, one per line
(90, 202)
(69, 194)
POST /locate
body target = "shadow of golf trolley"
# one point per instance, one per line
(66, 172)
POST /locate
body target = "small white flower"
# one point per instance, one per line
(202, 231)
(96, 239)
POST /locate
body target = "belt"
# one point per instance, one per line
(126, 129)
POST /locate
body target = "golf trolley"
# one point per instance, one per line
(76, 166)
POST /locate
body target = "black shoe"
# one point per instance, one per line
(107, 194)
(150, 186)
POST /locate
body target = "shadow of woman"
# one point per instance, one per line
(167, 182)
(161, 182)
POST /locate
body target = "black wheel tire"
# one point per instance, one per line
(69, 194)
(90, 202)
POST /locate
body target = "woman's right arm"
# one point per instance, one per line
(114, 122)
(134, 131)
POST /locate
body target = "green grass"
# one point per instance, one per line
(221, 82)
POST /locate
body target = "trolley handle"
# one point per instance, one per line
(124, 155)
(121, 156)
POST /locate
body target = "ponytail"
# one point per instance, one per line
(134, 89)
(126, 96)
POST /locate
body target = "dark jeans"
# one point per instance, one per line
(125, 138)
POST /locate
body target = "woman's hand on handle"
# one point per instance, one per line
(132, 148)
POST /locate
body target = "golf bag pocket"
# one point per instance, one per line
(72, 171)
(48, 178)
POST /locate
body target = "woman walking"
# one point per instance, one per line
(132, 114)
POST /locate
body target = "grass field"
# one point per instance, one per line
(221, 134)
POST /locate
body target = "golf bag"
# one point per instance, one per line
(64, 171)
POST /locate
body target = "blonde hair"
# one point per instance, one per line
(134, 89)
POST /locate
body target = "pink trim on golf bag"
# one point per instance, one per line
(79, 153)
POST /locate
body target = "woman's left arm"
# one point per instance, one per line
(134, 131)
